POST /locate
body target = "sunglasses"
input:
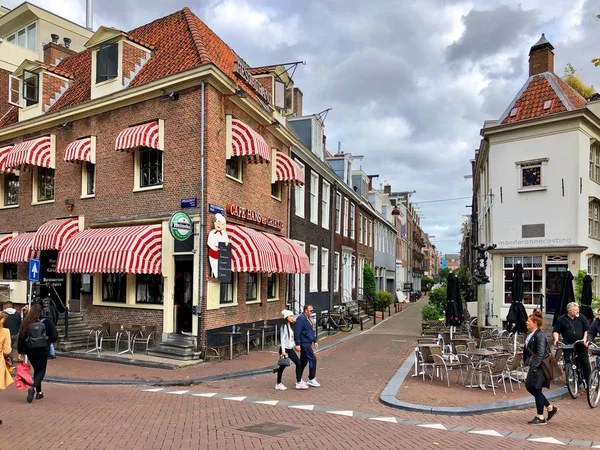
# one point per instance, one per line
(310, 310)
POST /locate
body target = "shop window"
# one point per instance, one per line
(252, 287)
(114, 287)
(151, 167)
(43, 184)
(272, 286)
(233, 168)
(532, 278)
(9, 186)
(276, 190)
(9, 271)
(149, 289)
(107, 62)
(227, 294)
(88, 179)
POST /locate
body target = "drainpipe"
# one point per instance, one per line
(201, 250)
(289, 292)
(332, 221)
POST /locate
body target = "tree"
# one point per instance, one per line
(369, 288)
(576, 83)
(427, 283)
(444, 273)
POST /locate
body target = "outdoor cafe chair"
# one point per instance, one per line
(425, 360)
(114, 334)
(460, 348)
(96, 332)
(492, 369)
(440, 363)
(471, 346)
(144, 336)
(515, 370)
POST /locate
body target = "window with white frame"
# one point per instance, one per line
(299, 197)
(352, 221)
(149, 168)
(365, 231)
(26, 37)
(376, 233)
(43, 184)
(595, 163)
(370, 233)
(324, 269)
(345, 218)
(594, 272)
(360, 235)
(9, 190)
(314, 268)
(325, 204)
(252, 287)
(338, 213)
(88, 179)
(336, 272)
(594, 219)
(314, 197)
(532, 278)
(233, 168)
(272, 286)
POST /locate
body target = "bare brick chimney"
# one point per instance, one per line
(298, 102)
(54, 53)
(541, 57)
(387, 188)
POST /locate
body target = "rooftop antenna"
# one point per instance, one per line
(89, 14)
(339, 147)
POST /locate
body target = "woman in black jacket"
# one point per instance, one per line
(534, 353)
(37, 356)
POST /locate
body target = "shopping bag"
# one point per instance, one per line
(23, 377)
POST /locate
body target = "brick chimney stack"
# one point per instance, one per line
(541, 57)
(53, 53)
(298, 102)
(387, 188)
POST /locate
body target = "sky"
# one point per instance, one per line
(410, 83)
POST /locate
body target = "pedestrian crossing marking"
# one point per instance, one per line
(437, 426)
(153, 390)
(306, 407)
(267, 402)
(205, 394)
(177, 392)
(235, 399)
(342, 413)
(384, 419)
(547, 440)
(486, 432)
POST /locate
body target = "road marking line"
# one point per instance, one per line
(176, 392)
(384, 419)
(153, 390)
(235, 399)
(437, 426)
(306, 407)
(486, 432)
(267, 402)
(547, 440)
(205, 394)
(342, 413)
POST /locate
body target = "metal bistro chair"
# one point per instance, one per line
(440, 363)
(426, 360)
(144, 336)
(495, 368)
(114, 334)
(96, 333)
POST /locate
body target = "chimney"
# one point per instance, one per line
(67, 42)
(541, 57)
(54, 53)
(387, 189)
(324, 142)
(298, 102)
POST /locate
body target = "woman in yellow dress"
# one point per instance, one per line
(5, 349)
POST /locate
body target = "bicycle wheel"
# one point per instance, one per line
(572, 381)
(346, 324)
(593, 390)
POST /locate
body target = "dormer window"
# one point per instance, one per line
(107, 62)
(31, 88)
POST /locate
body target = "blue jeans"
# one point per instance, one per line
(52, 352)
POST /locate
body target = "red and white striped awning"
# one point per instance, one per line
(4, 241)
(136, 249)
(36, 152)
(53, 234)
(256, 251)
(287, 170)
(19, 249)
(146, 135)
(247, 142)
(3, 154)
(80, 150)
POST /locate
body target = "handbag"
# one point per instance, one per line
(284, 361)
(548, 366)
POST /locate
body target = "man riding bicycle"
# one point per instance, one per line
(594, 331)
(573, 327)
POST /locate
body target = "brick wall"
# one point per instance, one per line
(341, 240)
(4, 86)
(131, 56)
(267, 82)
(541, 61)
(363, 249)
(298, 96)
(54, 52)
(51, 86)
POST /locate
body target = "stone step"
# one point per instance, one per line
(73, 327)
(163, 351)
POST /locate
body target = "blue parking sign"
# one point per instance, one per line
(34, 270)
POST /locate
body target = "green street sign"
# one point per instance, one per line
(181, 226)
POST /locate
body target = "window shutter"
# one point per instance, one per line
(14, 90)
(30, 87)
(279, 94)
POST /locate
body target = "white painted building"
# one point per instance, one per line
(537, 180)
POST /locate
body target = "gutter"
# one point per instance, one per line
(202, 218)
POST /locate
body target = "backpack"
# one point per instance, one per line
(36, 335)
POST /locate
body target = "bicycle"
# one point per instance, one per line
(572, 368)
(337, 321)
(593, 391)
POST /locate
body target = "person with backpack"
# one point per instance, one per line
(51, 314)
(35, 336)
(13, 323)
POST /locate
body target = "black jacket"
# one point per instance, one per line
(538, 344)
(51, 332)
(51, 313)
(594, 330)
(13, 322)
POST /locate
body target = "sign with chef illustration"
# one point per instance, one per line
(218, 238)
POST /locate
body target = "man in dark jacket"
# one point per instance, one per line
(304, 336)
(594, 329)
(13, 323)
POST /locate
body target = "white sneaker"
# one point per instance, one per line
(301, 385)
(280, 387)
(313, 383)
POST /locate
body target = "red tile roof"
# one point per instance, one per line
(539, 89)
(179, 41)
(11, 116)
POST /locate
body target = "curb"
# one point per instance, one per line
(388, 397)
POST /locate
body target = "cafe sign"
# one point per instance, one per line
(240, 71)
(248, 215)
(180, 226)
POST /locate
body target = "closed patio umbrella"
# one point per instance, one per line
(517, 315)
(586, 298)
(452, 311)
(459, 303)
(566, 295)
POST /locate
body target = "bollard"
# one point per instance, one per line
(361, 323)
(382, 313)
(389, 310)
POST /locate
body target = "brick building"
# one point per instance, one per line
(118, 138)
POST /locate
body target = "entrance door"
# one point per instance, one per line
(184, 285)
(346, 276)
(299, 294)
(553, 278)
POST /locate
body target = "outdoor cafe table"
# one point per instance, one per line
(231, 334)
(483, 354)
